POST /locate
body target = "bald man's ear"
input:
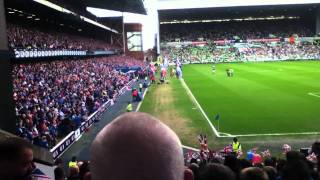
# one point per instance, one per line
(87, 176)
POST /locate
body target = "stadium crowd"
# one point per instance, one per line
(53, 98)
(138, 146)
(230, 163)
(233, 30)
(248, 52)
(167, 162)
(21, 37)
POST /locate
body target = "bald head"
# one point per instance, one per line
(136, 146)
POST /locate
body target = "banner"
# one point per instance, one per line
(19, 54)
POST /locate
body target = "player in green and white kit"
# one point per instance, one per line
(213, 67)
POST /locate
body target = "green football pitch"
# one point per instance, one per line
(261, 99)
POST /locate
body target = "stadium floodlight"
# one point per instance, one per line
(104, 12)
(97, 24)
(64, 10)
(54, 6)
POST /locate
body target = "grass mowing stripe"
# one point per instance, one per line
(293, 105)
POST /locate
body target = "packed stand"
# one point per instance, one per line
(53, 98)
(21, 37)
(248, 52)
(242, 30)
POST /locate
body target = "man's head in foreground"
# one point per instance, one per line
(136, 146)
(16, 158)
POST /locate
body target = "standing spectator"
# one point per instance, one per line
(129, 106)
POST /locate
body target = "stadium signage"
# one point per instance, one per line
(264, 40)
(19, 54)
(74, 136)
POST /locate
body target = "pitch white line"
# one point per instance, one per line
(314, 94)
(277, 134)
(139, 105)
(200, 108)
(225, 134)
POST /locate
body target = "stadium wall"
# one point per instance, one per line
(7, 115)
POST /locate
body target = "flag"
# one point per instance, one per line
(217, 117)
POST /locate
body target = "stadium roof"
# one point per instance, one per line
(44, 13)
(134, 6)
(301, 10)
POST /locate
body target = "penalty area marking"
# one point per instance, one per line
(317, 94)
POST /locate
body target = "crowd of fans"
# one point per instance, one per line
(53, 98)
(21, 37)
(226, 164)
(230, 165)
(248, 52)
(233, 30)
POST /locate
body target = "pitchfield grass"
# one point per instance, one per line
(171, 104)
(261, 98)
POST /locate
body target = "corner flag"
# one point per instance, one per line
(217, 117)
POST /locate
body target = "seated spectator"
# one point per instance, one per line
(53, 99)
(73, 173)
(26, 37)
(16, 159)
(59, 174)
(217, 172)
(253, 173)
(271, 172)
(136, 146)
(188, 174)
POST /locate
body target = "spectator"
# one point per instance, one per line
(253, 173)
(26, 37)
(52, 99)
(136, 146)
(188, 174)
(73, 173)
(59, 174)
(16, 159)
(73, 162)
(217, 172)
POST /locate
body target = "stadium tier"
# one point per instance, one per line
(239, 30)
(53, 99)
(20, 37)
(241, 52)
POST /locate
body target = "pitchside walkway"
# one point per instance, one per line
(81, 148)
